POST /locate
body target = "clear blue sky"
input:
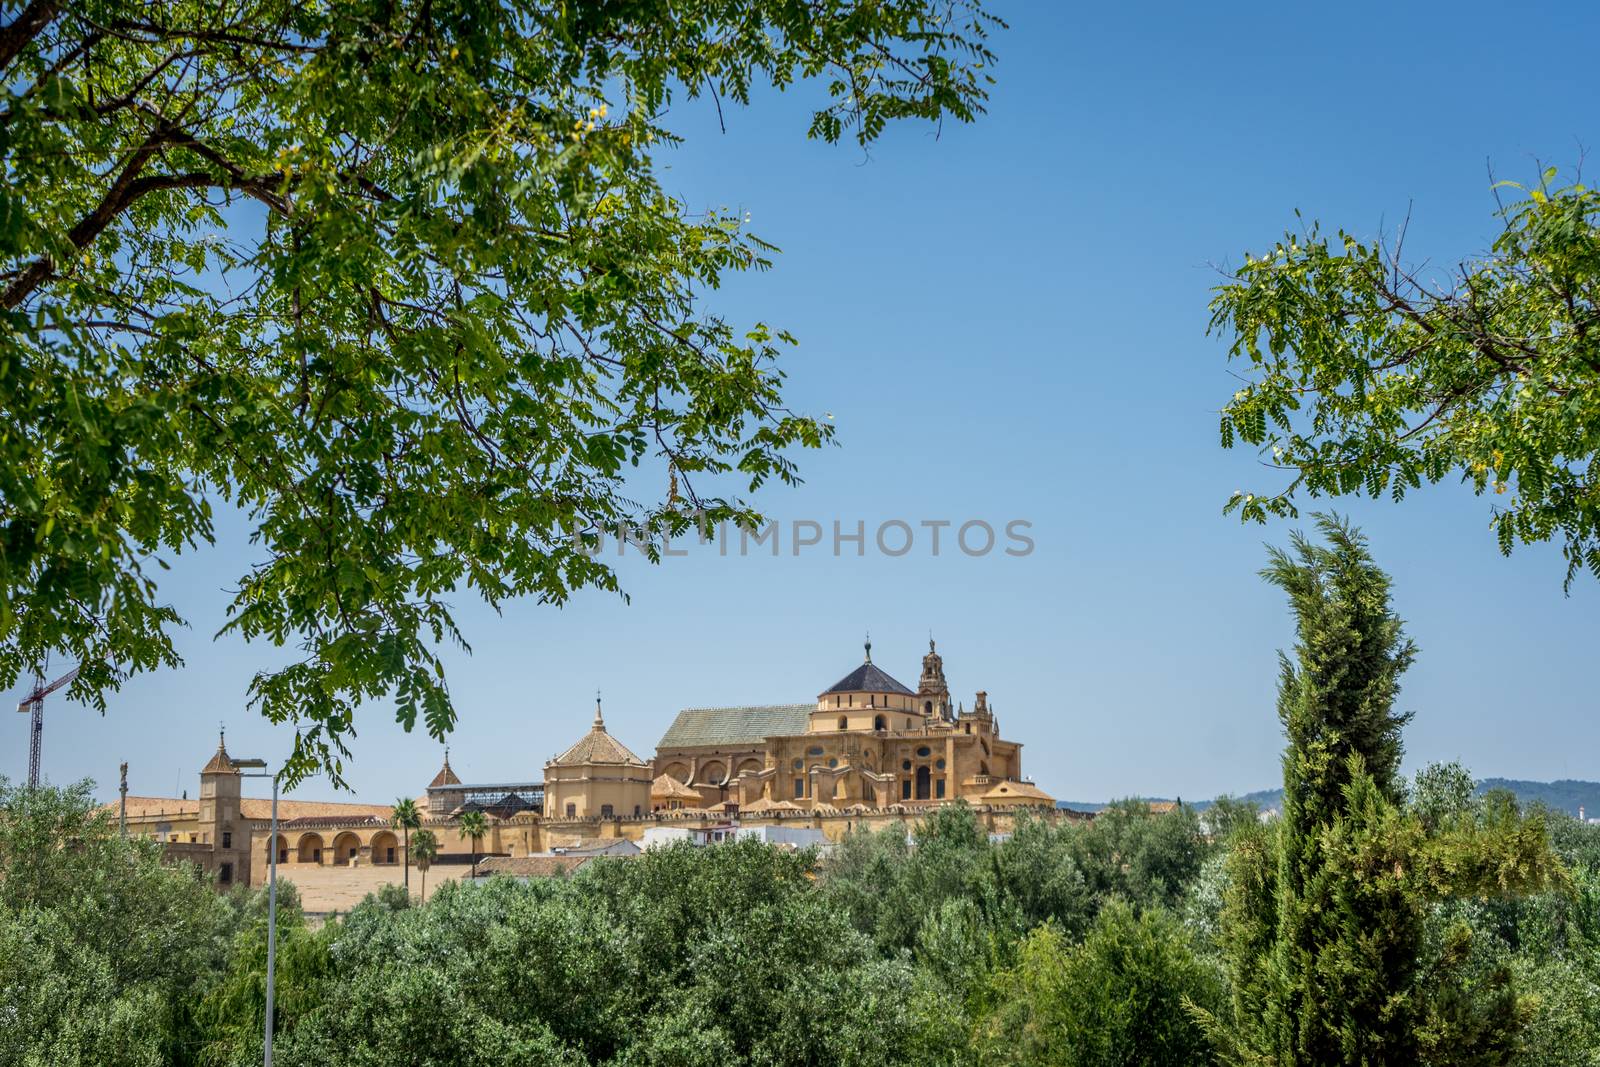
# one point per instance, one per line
(1009, 322)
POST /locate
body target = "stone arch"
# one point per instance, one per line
(749, 763)
(385, 848)
(927, 707)
(924, 783)
(309, 848)
(713, 773)
(283, 850)
(678, 772)
(346, 847)
(844, 723)
(880, 723)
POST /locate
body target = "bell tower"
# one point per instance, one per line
(222, 824)
(219, 791)
(933, 695)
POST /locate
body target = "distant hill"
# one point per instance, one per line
(1567, 794)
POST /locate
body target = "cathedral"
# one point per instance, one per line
(867, 752)
(867, 742)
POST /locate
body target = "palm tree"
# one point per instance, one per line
(424, 850)
(475, 826)
(407, 818)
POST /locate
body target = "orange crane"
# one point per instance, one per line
(34, 703)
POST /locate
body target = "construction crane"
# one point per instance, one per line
(34, 703)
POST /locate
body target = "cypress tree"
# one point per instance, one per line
(1336, 704)
(1323, 915)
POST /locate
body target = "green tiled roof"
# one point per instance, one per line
(736, 726)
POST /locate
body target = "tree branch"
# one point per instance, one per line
(124, 192)
(16, 35)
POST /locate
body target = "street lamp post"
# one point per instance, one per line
(272, 893)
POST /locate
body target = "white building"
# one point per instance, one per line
(783, 836)
(793, 836)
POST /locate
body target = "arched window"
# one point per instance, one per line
(844, 723)
(606, 811)
(879, 722)
(927, 707)
(572, 810)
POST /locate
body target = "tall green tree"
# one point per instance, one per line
(474, 825)
(1364, 375)
(1323, 918)
(398, 282)
(407, 818)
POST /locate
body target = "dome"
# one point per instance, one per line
(597, 746)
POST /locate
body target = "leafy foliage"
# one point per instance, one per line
(1119, 998)
(1324, 915)
(398, 282)
(950, 948)
(1362, 378)
(101, 946)
(754, 967)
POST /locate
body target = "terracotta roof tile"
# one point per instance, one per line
(1017, 793)
(597, 746)
(221, 762)
(445, 776)
(261, 808)
(669, 787)
(764, 804)
(254, 808)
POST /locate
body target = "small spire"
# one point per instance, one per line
(599, 720)
(930, 641)
(869, 646)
